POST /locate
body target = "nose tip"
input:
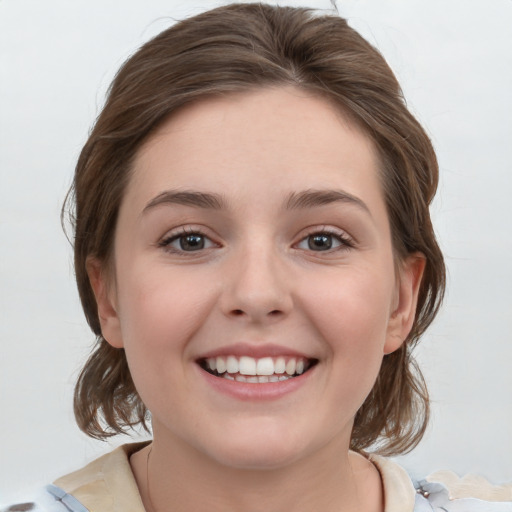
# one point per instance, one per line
(257, 291)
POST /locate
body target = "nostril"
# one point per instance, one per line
(275, 312)
(238, 312)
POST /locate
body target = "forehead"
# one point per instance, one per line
(271, 139)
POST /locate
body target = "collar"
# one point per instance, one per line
(108, 484)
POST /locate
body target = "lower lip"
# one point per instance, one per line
(256, 391)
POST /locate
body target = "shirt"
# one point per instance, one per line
(108, 485)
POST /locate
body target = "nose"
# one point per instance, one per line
(257, 289)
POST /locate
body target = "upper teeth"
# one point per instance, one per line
(246, 365)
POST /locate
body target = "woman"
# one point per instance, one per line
(253, 250)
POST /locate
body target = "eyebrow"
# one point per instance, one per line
(187, 198)
(296, 200)
(313, 198)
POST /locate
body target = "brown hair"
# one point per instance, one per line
(234, 48)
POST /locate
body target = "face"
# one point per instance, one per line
(255, 290)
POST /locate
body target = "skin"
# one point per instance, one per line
(257, 281)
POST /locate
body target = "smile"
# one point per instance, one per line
(256, 371)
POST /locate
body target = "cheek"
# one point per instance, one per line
(352, 310)
(348, 310)
(351, 313)
(160, 297)
(160, 312)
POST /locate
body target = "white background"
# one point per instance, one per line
(57, 57)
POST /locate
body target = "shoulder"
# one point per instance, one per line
(471, 486)
(104, 485)
(49, 499)
(442, 491)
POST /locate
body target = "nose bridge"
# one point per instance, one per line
(258, 288)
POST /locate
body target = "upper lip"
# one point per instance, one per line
(257, 351)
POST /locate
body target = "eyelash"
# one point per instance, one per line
(344, 242)
(184, 232)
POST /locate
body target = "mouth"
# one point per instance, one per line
(256, 370)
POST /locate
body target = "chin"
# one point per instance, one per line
(260, 449)
(259, 459)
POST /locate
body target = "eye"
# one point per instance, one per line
(324, 241)
(190, 241)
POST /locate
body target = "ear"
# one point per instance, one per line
(402, 317)
(105, 300)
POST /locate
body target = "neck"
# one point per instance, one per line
(181, 479)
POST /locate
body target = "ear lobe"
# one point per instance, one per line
(408, 286)
(107, 309)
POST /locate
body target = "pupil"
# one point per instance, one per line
(192, 242)
(320, 242)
